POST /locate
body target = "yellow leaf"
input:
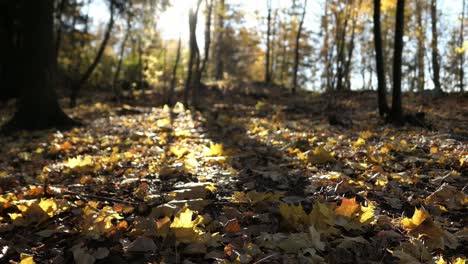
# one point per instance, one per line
(320, 155)
(215, 150)
(359, 142)
(178, 151)
(418, 218)
(294, 215)
(367, 213)
(459, 261)
(441, 260)
(26, 259)
(79, 162)
(186, 230)
(348, 207)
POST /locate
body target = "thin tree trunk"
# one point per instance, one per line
(297, 48)
(219, 65)
(76, 88)
(58, 35)
(420, 34)
(326, 43)
(174, 75)
(397, 111)
(268, 44)
(435, 49)
(209, 12)
(351, 45)
(340, 48)
(119, 64)
(37, 106)
(380, 62)
(194, 59)
(462, 54)
(140, 64)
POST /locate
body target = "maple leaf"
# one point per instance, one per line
(319, 155)
(184, 229)
(294, 215)
(37, 211)
(79, 162)
(98, 222)
(215, 150)
(348, 207)
(418, 218)
(26, 259)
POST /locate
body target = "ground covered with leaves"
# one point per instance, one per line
(249, 179)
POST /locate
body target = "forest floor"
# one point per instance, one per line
(257, 178)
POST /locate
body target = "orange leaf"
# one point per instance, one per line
(348, 207)
(232, 226)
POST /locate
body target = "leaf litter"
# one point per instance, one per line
(236, 183)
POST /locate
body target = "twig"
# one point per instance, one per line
(266, 258)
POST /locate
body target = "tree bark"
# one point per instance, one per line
(435, 49)
(297, 48)
(268, 45)
(174, 75)
(397, 111)
(76, 87)
(119, 64)
(421, 39)
(194, 59)
(461, 74)
(58, 36)
(209, 12)
(37, 105)
(219, 65)
(380, 62)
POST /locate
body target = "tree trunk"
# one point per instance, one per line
(194, 59)
(268, 45)
(174, 75)
(297, 48)
(435, 49)
(326, 48)
(380, 62)
(421, 39)
(37, 106)
(119, 64)
(461, 74)
(340, 46)
(397, 111)
(209, 12)
(76, 87)
(58, 36)
(219, 65)
(140, 64)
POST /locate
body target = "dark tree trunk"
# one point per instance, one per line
(77, 86)
(116, 89)
(435, 49)
(174, 75)
(268, 44)
(340, 47)
(297, 48)
(326, 49)
(461, 74)
(37, 106)
(58, 36)
(209, 12)
(351, 45)
(397, 111)
(421, 33)
(193, 70)
(219, 65)
(380, 62)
